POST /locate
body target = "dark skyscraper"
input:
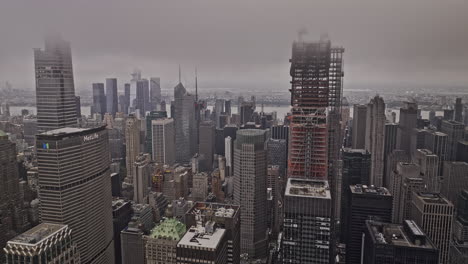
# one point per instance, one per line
(55, 88)
(127, 97)
(112, 105)
(408, 117)
(185, 124)
(359, 126)
(375, 138)
(364, 203)
(458, 110)
(73, 164)
(155, 93)
(207, 145)
(142, 96)
(99, 99)
(250, 190)
(390, 144)
(455, 132)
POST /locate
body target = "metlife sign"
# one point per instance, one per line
(91, 137)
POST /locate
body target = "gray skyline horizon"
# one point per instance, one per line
(242, 45)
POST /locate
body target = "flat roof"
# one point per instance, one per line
(395, 234)
(433, 198)
(197, 237)
(219, 209)
(68, 132)
(308, 188)
(364, 189)
(37, 234)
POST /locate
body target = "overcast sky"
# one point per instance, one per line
(239, 44)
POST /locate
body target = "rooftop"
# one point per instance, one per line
(219, 210)
(433, 198)
(364, 189)
(69, 131)
(37, 234)
(200, 237)
(407, 235)
(169, 229)
(308, 188)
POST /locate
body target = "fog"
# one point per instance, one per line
(240, 44)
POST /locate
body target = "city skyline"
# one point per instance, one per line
(385, 39)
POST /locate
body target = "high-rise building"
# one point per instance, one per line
(278, 154)
(408, 117)
(142, 178)
(73, 164)
(459, 248)
(13, 219)
(316, 86)
(448, 114)
(207, 145)
(127, 98)
(99, 99)
(455, 132)
(163, 141)
(152, 115)
(203, 244)
(185, 124)
(250, 181)
(111, 96)
(228, 154)
(200, 187)
(429, 165)
(437, 143)
(142, 96)
(458, 110)
(155, 93)
(375, 138)
(307, 222)
(364, 203)
(462, 151)
(161, 243)
(44, 243)
(227, 107)
(132, 145)
(393, 158)
(132, 244)
(403, 172)
(434, 214)
(386, 243)
(455, 180)
(55, 88)
(280, 132)
(359, 126)
(121, 215)
(226, 216)
(390, 144)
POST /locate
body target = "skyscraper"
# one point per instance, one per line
(375, 136)
(436, 142)
(408, 117)
(458, 110)
(455, 132)
(127, 98)
(112, 103)
(250, 181)
(163, 141)
(455, 180)
(434, 214)
(55, 89)
(73, 164)
(185, 124)
(429, 165)
(132, 145)
(142, 96)
(390, 144)
(307, 222)
(403, 172)
(278, 154)
(99, 99)
(316, 85)
(142, 178)
(364, 203)
(161, 243)
(207, 145)
(155, 93)
(12, 217)
(359, 126)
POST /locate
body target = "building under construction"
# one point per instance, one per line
(316, 89)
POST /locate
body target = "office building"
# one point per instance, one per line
(161, 243)
(359, 126)
(13, 219)
(316, 108)
(455, 132)
(207, 145)
(458, 110)
(142, 96)
(307, 222)
(203, 244)
(132, 244)
(155, 93)
(437, 142)
(460, 225)
(99, 99)
(142, 178)
(126, 101)
(462, 151)
(55, 88)
(250, 180)
(277, 154)
(364, 203)
(390, 144)
(406, 243)
(434, 214)
(44, 243)
(152, 115)
(280, 132)
(393, 158)
(185, 124)
(121, 216)
(405, 173)
(132, 145)
(200, 187)
(375, 139)
(227, 107)
(228, 154)
(73, 164)
(163, 141)
(429, 165)
(408, 117)
(455, 180)
(226, 216)
(112, 103)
